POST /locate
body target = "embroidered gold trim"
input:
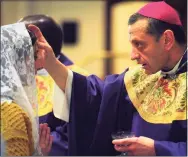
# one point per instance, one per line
(157, 100)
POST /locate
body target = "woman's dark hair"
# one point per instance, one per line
(32, 36)
(157, 27)
(49, 28)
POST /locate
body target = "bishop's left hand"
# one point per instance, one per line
(135, 146)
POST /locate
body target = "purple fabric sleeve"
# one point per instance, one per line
(165, 148)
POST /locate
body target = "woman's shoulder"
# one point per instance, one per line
(13, 116)
(16, 130)
(10, 107)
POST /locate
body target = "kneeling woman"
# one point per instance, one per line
(19, 120)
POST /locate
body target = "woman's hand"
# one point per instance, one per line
(45, 139)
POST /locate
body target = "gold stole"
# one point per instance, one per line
(156, 99)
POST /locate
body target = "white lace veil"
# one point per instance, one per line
(18, 72)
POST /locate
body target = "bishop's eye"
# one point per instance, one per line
(137, 44)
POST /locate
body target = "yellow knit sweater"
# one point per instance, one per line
(16, 130)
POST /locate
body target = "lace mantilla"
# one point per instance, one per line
(18, 71)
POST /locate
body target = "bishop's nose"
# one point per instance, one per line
(134, 55)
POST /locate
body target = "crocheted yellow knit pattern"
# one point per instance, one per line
(16, 130)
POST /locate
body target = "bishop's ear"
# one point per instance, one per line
(168, 39)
